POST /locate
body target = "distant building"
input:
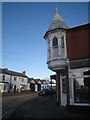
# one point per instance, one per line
(52, 82)
(36, 85)
(44, 84)
(68, 55)
(11, 81)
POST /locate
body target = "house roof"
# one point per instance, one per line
(80, 26)
(43, 81)
(37, 80)
(9, 72)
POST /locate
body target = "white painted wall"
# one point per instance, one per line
(36, 87)
(18, 81)
(7, 78)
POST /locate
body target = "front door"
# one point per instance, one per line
(63, 91)
(32, 87)
(39, 87)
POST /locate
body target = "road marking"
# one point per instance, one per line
(11, 109)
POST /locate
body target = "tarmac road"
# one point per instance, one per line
(11, 102)
(41, 107)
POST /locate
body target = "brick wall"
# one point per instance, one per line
(78, 42)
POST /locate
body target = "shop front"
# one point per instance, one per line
(81, 86)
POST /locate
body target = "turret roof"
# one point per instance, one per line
(57, 22)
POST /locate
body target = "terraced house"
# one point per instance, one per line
(11, 81)
(68, 55)
(36, 84)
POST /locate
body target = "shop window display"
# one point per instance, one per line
(82, 87)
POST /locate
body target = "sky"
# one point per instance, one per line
(23, 28)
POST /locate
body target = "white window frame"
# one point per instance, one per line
(82, 76)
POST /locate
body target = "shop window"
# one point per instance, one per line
(81, 90)
(81, 79)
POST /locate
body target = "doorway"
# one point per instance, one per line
(63, 91)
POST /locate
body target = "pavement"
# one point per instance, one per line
(43, 107)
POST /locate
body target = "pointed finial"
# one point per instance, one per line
(56, 10)
(57, 16)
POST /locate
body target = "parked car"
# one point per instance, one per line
(53, 91)
(44, 92)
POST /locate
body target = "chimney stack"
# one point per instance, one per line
(24, 72)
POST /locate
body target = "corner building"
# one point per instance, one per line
(68, 56)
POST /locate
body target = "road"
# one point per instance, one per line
(39, 107)
(11, 102)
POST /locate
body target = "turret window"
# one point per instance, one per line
(62, 46)
(48, 44)
(49, 51)
(62, 42)
(55, 47)
(55, 42)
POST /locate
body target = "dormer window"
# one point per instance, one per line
(55, 47)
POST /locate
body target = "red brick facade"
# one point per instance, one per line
(77, 40)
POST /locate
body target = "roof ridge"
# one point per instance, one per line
(12, 72)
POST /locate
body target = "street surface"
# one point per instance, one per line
(11, 102)
(34, 106)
